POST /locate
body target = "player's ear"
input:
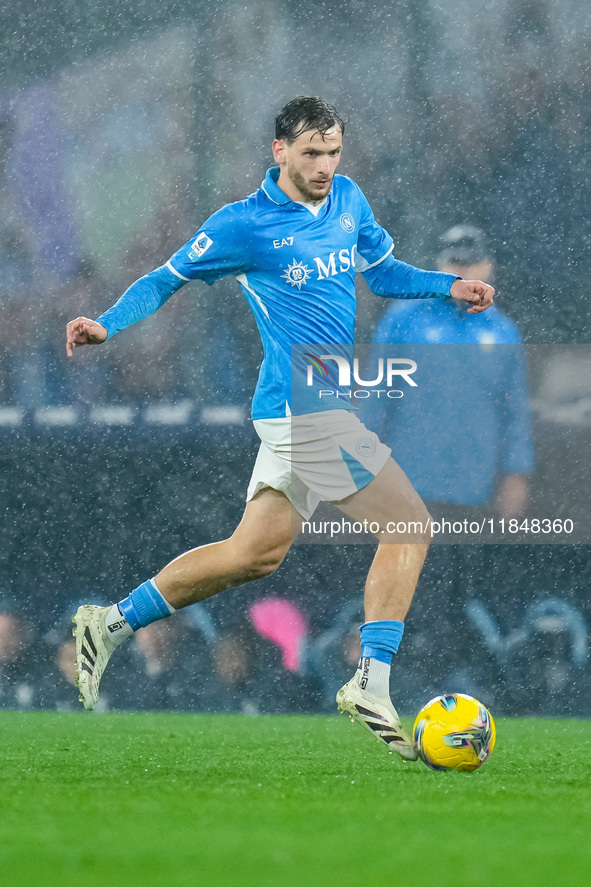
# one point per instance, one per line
(279, 150)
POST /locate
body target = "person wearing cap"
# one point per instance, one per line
(463, 436)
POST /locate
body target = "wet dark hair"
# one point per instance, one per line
(303, 114)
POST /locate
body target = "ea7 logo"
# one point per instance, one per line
(286, 241)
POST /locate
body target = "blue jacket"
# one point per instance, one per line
(467, 422)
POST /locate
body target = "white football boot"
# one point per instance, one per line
(378, 716)
(93, 651)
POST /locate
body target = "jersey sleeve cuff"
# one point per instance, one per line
(109, 328)
(175, 272)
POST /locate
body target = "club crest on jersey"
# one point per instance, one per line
(199, 246)
(347, 222)
(297, 274)
(365, 447)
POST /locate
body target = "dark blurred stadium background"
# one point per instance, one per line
(122, 127)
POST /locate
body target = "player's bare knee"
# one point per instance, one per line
(411, 523)
(265, 563)
(419, 514)
(258, 560)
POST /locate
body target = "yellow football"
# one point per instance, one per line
(454, 732)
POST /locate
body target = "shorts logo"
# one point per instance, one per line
(347, 222)
(297, 274)
(199, 246)
(365, 447)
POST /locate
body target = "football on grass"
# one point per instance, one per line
(454, 732)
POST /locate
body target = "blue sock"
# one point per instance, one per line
(380, 640)
(145, 605)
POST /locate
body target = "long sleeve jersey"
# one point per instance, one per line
(296, 266)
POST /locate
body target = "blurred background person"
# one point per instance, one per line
(19, 669)
(463, 436)
(256, 675)
(167, 668)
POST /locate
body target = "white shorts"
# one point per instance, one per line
(318, 457)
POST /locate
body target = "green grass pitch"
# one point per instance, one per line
(174, 800)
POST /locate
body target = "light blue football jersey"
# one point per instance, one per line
(296, 269)
(296, 266)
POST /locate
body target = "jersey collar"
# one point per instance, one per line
(272, 189)
(275, 193)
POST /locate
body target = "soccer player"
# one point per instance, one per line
(294, 247)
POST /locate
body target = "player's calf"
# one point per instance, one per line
(100, 630)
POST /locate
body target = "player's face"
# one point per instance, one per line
(309, 163)
(476, 271)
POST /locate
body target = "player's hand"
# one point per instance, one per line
(83, 331)
(478, 294)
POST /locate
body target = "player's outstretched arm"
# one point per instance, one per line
(478, 294)
(83, 331)
(139, 301)
(397, 280)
